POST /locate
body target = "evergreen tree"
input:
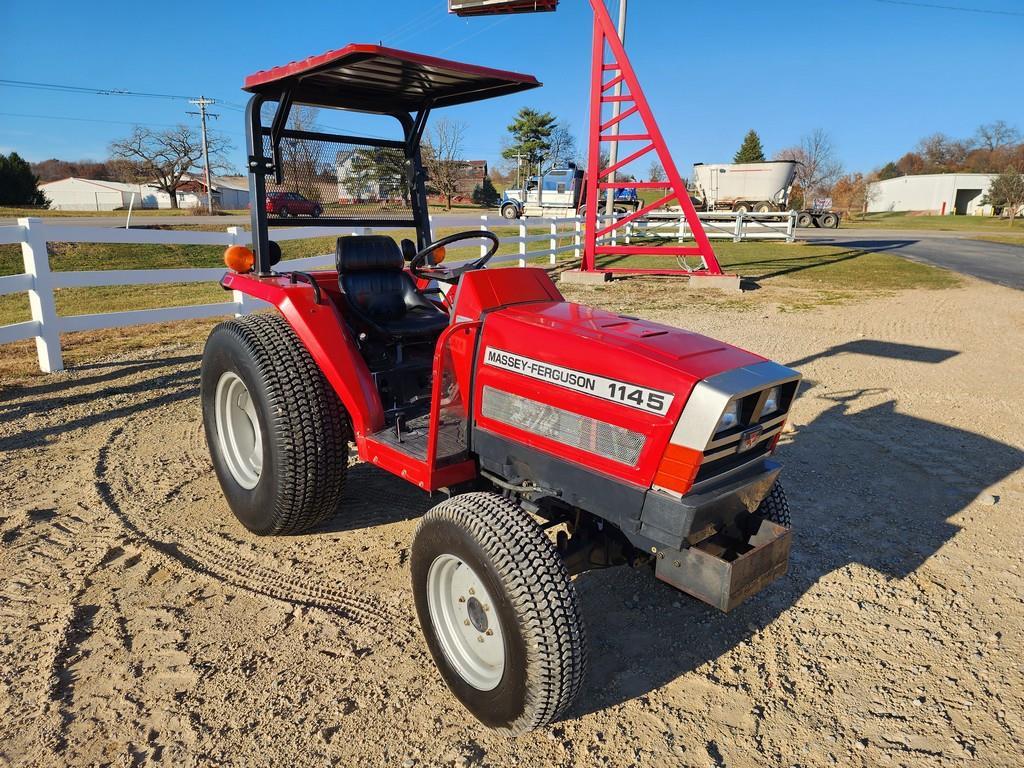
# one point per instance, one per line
(18, 185)
(531, 133)
(751, 150)
(889, 171)
(485, 194)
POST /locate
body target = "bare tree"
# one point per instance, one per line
(309, 167)
(442, 156)
(942, 154)
(996, 135)
(819, 167)
(562, 147)
(162, 158)
(656, 172)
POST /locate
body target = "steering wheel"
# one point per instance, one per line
(452, 275)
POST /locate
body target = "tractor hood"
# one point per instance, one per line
(632, 376)
(599, 342)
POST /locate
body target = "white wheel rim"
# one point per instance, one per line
(238, 430)
(465, 621)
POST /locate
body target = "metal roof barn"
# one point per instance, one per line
(939, 193)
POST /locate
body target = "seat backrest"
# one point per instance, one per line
(370, 272)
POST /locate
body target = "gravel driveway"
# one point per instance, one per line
(140, 625)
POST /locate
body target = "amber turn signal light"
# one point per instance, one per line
(438, 255)
(239, 258)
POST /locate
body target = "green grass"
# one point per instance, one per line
(932, 223)
(1007, 239)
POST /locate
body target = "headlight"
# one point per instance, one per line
(773, 401)
(730, 418)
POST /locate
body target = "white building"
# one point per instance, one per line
(937, 193)
(91, 195)
(229, 193)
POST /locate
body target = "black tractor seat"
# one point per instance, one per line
(381, 294)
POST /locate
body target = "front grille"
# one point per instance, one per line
(724, 452)
(582, 432)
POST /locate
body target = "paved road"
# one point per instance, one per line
(994, 262)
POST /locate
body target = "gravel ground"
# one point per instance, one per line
(140, 625)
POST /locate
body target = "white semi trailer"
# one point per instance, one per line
(757, 187)
(744, 187)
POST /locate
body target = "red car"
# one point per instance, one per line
(285, 204)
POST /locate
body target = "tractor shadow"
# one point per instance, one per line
(868, 485)
(94, 396)
(373, 497)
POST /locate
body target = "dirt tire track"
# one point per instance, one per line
(219, 557)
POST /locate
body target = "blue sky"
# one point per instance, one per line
(877, 75)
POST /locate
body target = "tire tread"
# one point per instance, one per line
(543, 595)
(311, 427)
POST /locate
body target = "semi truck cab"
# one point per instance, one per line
(560, 192)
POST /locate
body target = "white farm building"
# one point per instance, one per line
(937, 193)
(91, 195)
(73, 194)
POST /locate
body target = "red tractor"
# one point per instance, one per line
(562, 438)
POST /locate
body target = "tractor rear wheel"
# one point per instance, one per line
(775, 507)
(499, 611)
(278, 434)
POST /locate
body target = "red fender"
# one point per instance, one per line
(321, 328)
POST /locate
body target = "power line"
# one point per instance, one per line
(61, 88)
(83, 119)
(83, 89)
(936, 6)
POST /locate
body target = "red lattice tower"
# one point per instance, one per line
(636, 129)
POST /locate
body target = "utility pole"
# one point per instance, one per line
(613, 150)
(202, 102)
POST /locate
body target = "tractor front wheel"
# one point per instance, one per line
(278, 434)
(775, 507)
(499, 611)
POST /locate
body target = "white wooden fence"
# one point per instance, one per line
(40, 282)
(562, 236)
(724, 225)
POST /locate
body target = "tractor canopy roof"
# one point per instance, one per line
(372, 78)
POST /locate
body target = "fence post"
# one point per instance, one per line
(738, 233)
(577, 238)
(40, 296)
(553, 242)
(791, 227)
(243, 304)
(484, 244)
(522, 245)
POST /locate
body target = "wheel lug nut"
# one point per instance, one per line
(489, 632)
(462, 599)
(480, 638)
(466, 622)
(472, 591)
